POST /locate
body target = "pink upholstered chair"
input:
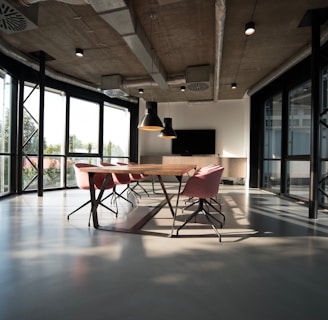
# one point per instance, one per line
(119, 179)
(213, 199)
(82, 180)
(204, 185)
(136, 178)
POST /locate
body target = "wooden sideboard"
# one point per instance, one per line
(200, 161)
(234, 168)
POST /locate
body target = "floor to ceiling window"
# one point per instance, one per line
(83, 135)
(272, 142)
(54, 139)
(30, 138)
(299, 135)
(280, 157)
(78, 124)
(5, 133)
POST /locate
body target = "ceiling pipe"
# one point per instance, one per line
(148, 82)
(220, 13)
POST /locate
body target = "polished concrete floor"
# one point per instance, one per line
(272, 262)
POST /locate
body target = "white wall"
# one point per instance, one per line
(230, 118)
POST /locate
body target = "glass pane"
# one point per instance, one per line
(71, 182)
(298, 175)
(31, 119)
(5, 102)
(52, 172)
(54, 123)
(324, 117)
(272, 127)
(30, 173)
(4, 174)
(116, 131)
(83, 126)
(299, 120)
(271, 174)
(323, 199)
(5, 133)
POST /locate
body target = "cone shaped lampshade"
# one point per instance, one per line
(151, 121)
(168, 132)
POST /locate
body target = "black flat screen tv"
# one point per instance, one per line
(193, 142)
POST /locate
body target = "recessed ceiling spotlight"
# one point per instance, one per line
(249, 28)
(79, 52)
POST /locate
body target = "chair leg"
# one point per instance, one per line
(137, 184)
(80, 207)
(135, 193)
(89, 201)
(207, 215)
(194, 214)
(217, 202)
(120, 195)
(115, 212)
(190, 205)
(217, 210)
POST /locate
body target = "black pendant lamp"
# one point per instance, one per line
(168, 132)
(151, 121)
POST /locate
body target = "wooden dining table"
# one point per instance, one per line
(159, 170)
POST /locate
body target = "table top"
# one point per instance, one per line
(148, 169)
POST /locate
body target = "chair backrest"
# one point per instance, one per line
(82, 178)
(204, 183)
(133, 176)
(119, 178)
(205, 168)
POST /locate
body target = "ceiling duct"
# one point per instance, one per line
(112, 86)
(122, 18)
(198, 78)
(16, 18)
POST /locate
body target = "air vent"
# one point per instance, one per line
(112, 86)
(198, 86)
(197, 78)
(115, 93)
(18, 19)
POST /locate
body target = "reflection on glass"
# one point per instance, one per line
(323, 199)
(271, 174)
(272, 142)
(324, 115)
(83, 126)
(298, 177)
(299, 120)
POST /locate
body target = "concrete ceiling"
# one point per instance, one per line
(161, 45)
